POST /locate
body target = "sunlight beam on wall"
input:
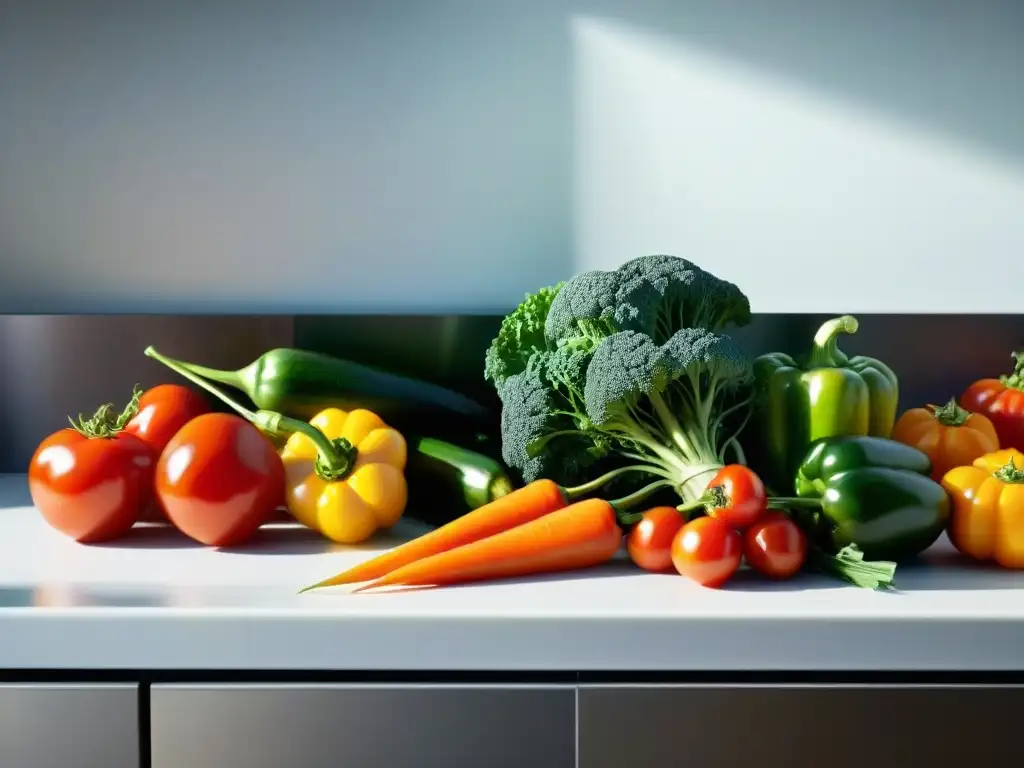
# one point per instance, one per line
(809, 203)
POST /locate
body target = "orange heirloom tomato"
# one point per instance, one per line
(950, 436)
(987, 521)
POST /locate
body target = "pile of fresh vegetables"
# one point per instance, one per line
(629, 416)
(218, 477)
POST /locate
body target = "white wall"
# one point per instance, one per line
(448, 155)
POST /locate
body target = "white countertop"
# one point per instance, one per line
(157, 601)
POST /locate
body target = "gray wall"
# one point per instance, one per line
(448, 155)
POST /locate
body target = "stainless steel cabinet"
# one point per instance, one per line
(797, 727)
(362, 726)
(69, 726)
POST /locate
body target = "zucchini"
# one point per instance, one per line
(446, 480)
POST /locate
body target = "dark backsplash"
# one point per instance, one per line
(52, 366)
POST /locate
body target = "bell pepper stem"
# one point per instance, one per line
(950, 414)
(825, 352)
(1015, 380)
(334, 458)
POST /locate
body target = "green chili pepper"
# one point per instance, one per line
(825, 395)
(872, 493)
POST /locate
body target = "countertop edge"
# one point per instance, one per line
(183, 642)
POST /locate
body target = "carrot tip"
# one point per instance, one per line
(364, 587)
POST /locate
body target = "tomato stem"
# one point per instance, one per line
(334, 459)
(714, 497)
(104, 423)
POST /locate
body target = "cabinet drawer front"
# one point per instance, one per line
(69, 726)
(796, 726)
(357, 726)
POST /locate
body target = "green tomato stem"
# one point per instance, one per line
(104, 423)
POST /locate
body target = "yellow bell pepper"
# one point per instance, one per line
(987, 520)
(358, 488)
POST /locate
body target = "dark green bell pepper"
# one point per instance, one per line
(824, 395)
(873, 493)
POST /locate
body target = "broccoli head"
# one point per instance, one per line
(521, 334)
(628, 365)
(656, 295)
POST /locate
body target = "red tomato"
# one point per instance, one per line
(775, 546)
(219, 479)
(1004, 407)
(91, 488)
(707, 550)
(163, 410)
(649, 544)
(738, 496)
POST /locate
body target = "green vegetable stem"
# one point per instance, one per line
(629, 365)
(828, 395)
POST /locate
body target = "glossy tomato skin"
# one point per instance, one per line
(91, 489)
(1004, 407)
(775, 546)
(744, 497)
(163, 410)
(219, 479)
(649, 544)
(708, 551)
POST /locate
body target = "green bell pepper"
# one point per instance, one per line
(873, 493)
(825, 395)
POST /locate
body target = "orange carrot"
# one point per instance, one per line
(516, 508)
(520, 506)
(581, 535)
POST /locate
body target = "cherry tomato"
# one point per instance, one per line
(649, 544)
(738, 496)
(91, 487)
(775, 546)
(163, 410)
(707, 550)
(219, 479)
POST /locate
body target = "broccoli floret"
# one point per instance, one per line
(625, 368)
(585, 307)
(668, 403)
(543, 433)
(521, 334)
(656, 295)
